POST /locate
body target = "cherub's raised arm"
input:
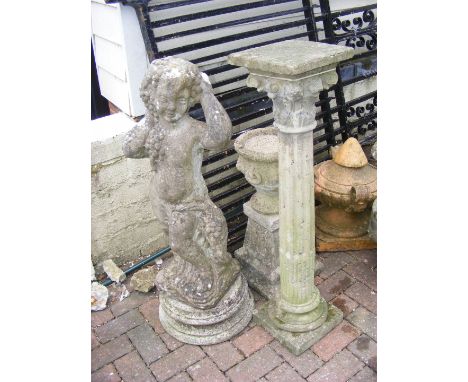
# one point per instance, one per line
(219, 128)
(134, 141)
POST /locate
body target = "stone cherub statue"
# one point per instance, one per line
(202, 270)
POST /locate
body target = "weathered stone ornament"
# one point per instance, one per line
(346, 186)
(113, 271)
(259, 256)
(293, 73)
(204, 299)
(258, 160)
(144, 280)
(99, 296)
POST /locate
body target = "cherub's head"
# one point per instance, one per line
(171, 87)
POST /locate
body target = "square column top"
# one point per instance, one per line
(291, 58)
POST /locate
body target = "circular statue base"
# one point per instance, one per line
(208, 326)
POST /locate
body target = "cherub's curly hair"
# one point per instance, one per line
(181, 73)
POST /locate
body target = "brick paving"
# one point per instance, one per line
(130, 345)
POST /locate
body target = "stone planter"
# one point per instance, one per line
(258, 160)
(259, 257)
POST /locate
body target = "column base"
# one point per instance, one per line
(208, 326)
(297, 343)
(328, 243)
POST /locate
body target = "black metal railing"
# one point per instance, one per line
(205, 32)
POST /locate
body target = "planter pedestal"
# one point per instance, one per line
(293, 73)
(259, 257)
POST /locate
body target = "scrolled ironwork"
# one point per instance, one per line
(360, 32)
(362, 118)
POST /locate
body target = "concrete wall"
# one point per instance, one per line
(123, 227)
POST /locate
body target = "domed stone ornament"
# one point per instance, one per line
(346, 187)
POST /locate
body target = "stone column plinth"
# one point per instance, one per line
(293, 73)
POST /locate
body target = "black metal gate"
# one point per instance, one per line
(206, 37)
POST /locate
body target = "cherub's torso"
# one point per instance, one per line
(178, 171)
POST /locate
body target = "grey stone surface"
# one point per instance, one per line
(144, 280)
(99, 295)
(365, 349)
(259, 257)
(364, 320)
(297, 343)
(148, 344)
(292, 57)
(202, 271)
(113, 271)
(365, 375)
(269, 222)
(211, 326)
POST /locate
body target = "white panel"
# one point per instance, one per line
(105, 22)
(136, 58)
(114, 89)
(110, 56)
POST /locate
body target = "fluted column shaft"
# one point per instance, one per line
(297, 249)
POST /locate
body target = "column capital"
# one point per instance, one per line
(292, 73)
(293, 99)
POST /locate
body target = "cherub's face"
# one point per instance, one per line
(171, 107)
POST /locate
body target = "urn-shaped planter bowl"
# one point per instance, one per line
(346, 186)
(258, 161)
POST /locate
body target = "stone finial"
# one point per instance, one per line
(350, 154)
(346, 186)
